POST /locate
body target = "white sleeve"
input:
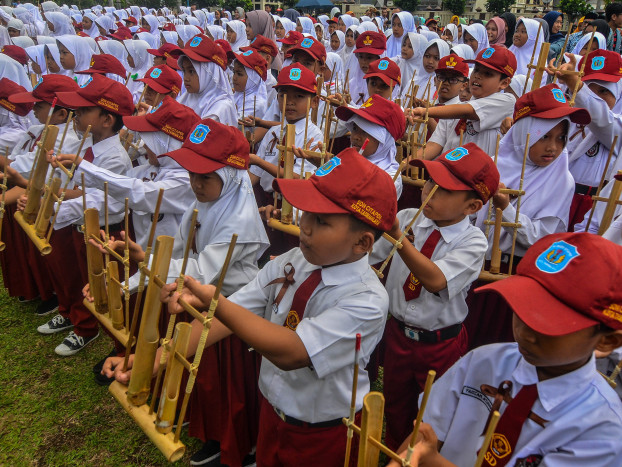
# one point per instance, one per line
(605, 123)
(532, 230)
(492, 110)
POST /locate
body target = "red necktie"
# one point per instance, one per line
(34, 145)
(88, 155)
(499, 452)
(412, 286)
(301, 297)
(461, 126)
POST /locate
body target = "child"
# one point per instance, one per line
(429, 281)
(402, 24)
(249, 86)
(167, 54)
(13, 125)
(208, 91)
(476, 37)
(75, 55)
(496, 31)
(525, 38)
(432, 54)
(140, 61)
(383, 78)
(107, 65)
(236, 35)
(558, 323)
(268, 50)
(480, 118)
(410, 63)
(290, 39)
(382, 123)
(161, 81)
(370, 47)
(306, 373)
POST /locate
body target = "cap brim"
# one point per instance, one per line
(345, 113)
(537, 308)
(73, 100)
(153, 84)
(294, 49)
(487, 65)
(138, 123)
(193, 56)
(370, 50)
(441, 175)
(23, 98)
(298, 86)
(155, 52)
(602, 77)
(192, 162)
(576, 115)
(385, 79)
(303, 195)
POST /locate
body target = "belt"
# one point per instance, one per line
(429, 337)
(295, 422)
(584, 189)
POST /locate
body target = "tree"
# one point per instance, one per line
(455, 6)
(230, 5)
(407, 5)
(574, 8)
(498, 6)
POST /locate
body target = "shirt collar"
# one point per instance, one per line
(345, 273)
(104, 145)
(300, 125)
(553, 392)
(450, 232)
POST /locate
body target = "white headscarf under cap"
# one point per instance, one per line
(239, 28)
(523, 54)
(478, 31)
(414, 65)
(82, 54)
(394, 44)
(254, 98)
(463, 51)
(14, 71)
(307, 26)
(584, 41)
(62, 24)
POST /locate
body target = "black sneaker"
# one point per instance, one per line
(22, 299)
(208, 455)
(47, 307)
(73, 344)
(56, 324)
(97, 368)
(250, 459)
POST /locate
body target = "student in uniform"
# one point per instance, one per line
(161, 81)
(370, 46)
(383, 78)
(140, 61)
(526, 40)
(451, 77)
(305, 324)
(480, 118)
(249, 84)
(208, 91)
(429, 279)
(268, 50)
(75, 55)
(555, 408)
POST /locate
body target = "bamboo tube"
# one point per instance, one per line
(487, 439)
(126, 265)
(602, 179)
(357, 350)
(540, 66)
(115, 309)
(42, 139)
(612, 203)
(280, 141)
(97, 279)
(165, 417)
(45, 212)
(495, 255)
(148, 335)
(371, 427)
(424, 401)
(62, 142)
(39, 175)
(286, 208)
(320, 84)
(42, 245)
(560, 57)
(581, 72)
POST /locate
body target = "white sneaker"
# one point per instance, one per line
(56, 324)
(73, 344)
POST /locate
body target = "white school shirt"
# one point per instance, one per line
(268, 151)
(270, 83)
(13, 127)
(614, 232)
(349, 300)
(444, 133)
(584, 414)
(141, 186)
(599, 210)
(110, 154)
(587, 168)
(459, 254)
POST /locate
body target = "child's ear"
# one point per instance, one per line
(609, 342)
(365, 242)
(315, 101)
(505, 82)
(473, 205)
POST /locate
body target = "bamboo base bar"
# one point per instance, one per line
(42, 244)
(171, 449)
(414, 182)
(121, 335)
(488, 276)
(290, 229)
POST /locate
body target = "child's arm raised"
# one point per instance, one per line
(453, 111)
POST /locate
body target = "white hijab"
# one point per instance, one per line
(523, 54)
(186, 32)
(414, 65)
(117, 49)
(106, 23)
(518, 84)
(254, 99)
(384, 157)
(62, 24)
(151, 39)
(53, 49)
(307, 26)
(335, 65)
(93, 31)
(82, 54)
(169, 37)
(453, 29)
(36, 53)
(478, 31)
(217, 32)
(584, 41)
(463, 51)
(394, 44)
(239, 28)
(14, 71)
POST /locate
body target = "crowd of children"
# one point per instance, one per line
(203, 106)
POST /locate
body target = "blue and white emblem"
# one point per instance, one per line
(598, 63)
(199, 134)
(559, 96)
(196, 41)
(556, 257)
(306, 43)
(247, 53)
(294, 74)
(456, 154)
(488, 52)
(88, 81)
(328, 167)
(383, 65)
(156, 73)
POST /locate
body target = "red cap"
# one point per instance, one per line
(550, 293)
(292, 38)
(102, 92)
(603, 65)
(311, 46)
(347, 184)
(464, 168)
(431, 20)
(162, 79)
(297, 76)
(497, 58)
(45, 89)
(211, 146)
(170, 117)
(120, 34)
(385, 69)
(10, 88)
(253, 60)
(131, 19)
(380, 111)
(371, 42)
(224, 44)
(453, 63)
(105, 63)
(16, 53)
(202, 49)
(263, 44)
(169, 27)
(166, 50)
(549, 102)
(333, 20)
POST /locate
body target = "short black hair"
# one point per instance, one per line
(357, 225)
(590, 15)
(118, 120)
(614, 8)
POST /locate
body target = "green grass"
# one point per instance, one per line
(51, 410)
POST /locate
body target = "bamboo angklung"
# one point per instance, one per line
(560, 57)
(419, 419)
(357, 349)
(533, 56)
(4, 188)
(612, 202)
(602, 181)
(581, 72)
(540, 67)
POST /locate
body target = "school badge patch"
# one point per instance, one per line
(292, 320)
(294, 74)
(199, 134)
(155, 73)
(456, 154)
(593, 150)
(556, 257)
(558, 95)
(488, 52)
(306, 43)
(451, 62)
(598, 63)
(383, 65)
(328, 167)
(498, 449)
(367, 40)
(247, 53)
(196, 41)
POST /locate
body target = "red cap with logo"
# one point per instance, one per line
(465, 168)
(105, 63)
(16, 53)
(379, 111)
(121, 34)
(603, 65)
(202, 49)
(162, 79)
(497, 58)
(311, 46)
(253, 60)
(292, 38)
(385, 69)
(297, 76)
(453, 63)
(211, 146)
(227, 48)
(346, 184)
(262, 44)
(166, 50)
(45, 89)
(550, 293)
(131, 20)
(10, 88)
(549, 102)
(170, 117)
(101, 92)
(371, 42)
